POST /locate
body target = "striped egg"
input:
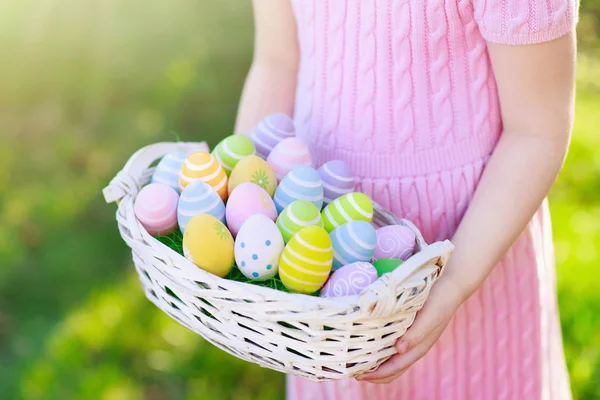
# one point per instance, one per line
(395, 241)
(231, 150)
(302, 183)
(306, 260)
(350, 280)
(168, 169)
(287, 155)
(352, 242)
(256, 170)
(199, 198)
(353, 206)
(270, 131)
(201, 166)
(156, 209)
(296, 216)
(337, 178)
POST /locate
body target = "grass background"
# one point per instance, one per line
(83, 85)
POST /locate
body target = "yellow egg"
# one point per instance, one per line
(306, 260)
(202, 166)
(256, 170)
(208, 244)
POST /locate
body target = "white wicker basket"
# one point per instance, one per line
(317, 338)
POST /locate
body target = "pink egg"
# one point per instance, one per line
(349, 280)
(287, 155)
(246, 200)
(394, 241)
(156, 208)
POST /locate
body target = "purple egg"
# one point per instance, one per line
(270, 131)
(337, 178)
(350, 280)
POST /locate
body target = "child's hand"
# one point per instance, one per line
(443, 301)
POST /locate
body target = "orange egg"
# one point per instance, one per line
(201, 166)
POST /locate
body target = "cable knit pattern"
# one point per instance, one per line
(404, 92)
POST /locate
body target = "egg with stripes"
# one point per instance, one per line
(337, 178)
(395, 241)
(296, 216)
(258, 247)
(156, 208)
(270, 131)
(302, 183)
(231, 150)
(256, 170)
(352, 242)
(202, 166)
(353, 206)
(199, 198)
(350, 280)
(208, 244)
(246, 200)
(306, 260)
(287, 155)
(168, 169)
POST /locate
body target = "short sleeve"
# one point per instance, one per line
(521, 22)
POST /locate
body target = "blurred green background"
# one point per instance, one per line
(83, 84)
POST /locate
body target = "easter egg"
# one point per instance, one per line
(287, 155)
(306, 260)
(201, 166)
(395, 241)
(208, 244)
(302, 183)
(352, 242)
(258, 246)
(199, 198)
(296, 216)
(353, 206)
(156, 209)
(270, 131)
(246, 200)
(231, 150)
(350, 280)
(168, 169)
(337, 178)
(256, 170)
(386, 265)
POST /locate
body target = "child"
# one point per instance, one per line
(455, 114)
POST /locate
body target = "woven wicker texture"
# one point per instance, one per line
(317, 338)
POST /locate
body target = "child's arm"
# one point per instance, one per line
(271, 83)
(536, 90)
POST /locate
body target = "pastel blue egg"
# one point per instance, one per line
(352, 242)
(168, 169)
(199, 198)
(301, 183)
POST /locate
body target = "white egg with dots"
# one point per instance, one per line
(258, 247)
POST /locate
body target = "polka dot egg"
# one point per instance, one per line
(302, 183)
(199, 198)
(231, 150)
(270, 131)
(350, 280)
(208, 244)
(306, 260)
(353, 206)
(156, 208)
(287, 155)
(256, 170)
(258, 246)
(296, 216)
(201, 166)
(246, 200)
(337, 178)
(395, 241)
(352, 242)
(168, 169)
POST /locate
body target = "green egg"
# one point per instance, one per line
(231, 150)
(386, 265)
(354, 206)
(296, 216)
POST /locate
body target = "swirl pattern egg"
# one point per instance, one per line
(270, 131)
(350, 280)
(258, 246)
(337, 178)
(168, 169)
(256, 170)
(306, 260)
(199, 198)
(231, 150)
(353, 206)
(246, 200)
(202, 166)
(287, 155)
(156, 208)
(296, 216)
(208, 244)
(302, 183)
(395, 241)
(352, 242)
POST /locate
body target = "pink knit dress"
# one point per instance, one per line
(404, 91)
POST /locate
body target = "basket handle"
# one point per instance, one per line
(126, 181)
(379, 300)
